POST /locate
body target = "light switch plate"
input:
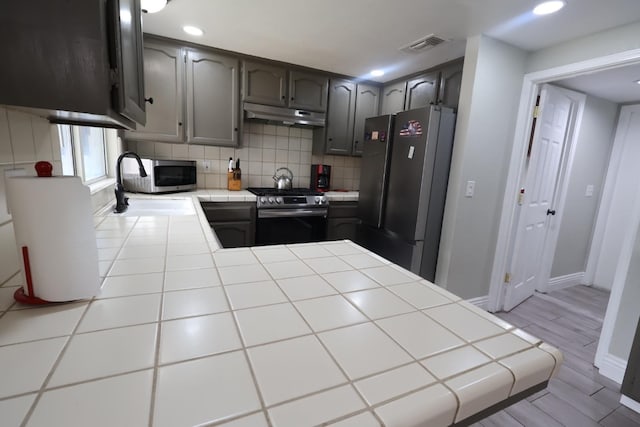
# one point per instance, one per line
(589, 190)
(471, 188)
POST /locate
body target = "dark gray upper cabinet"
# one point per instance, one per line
(349, 106)
(422, 91)
(393, 98)
(367, 101)
(164, 83)
(450, 83)
(307, 91)
(128, 57)
(75, 61)
(340, 117)
(264, 84)
(212, 98)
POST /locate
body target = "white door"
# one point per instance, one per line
(541, 182)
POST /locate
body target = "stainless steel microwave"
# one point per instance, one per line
(163, 176)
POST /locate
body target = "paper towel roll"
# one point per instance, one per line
(53, 218)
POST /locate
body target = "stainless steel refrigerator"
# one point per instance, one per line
(404, 173)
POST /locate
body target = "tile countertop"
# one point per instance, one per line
(183, 333)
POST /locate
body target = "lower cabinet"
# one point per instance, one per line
(233, 222)
(631, 382)
(235, 234)
(342, 222)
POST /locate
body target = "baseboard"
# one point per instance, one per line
(630, 403)
(566, 281)
(480, 302)
(613, 367)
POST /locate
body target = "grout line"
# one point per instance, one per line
(154, 381)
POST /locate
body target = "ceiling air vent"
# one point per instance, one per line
(423, 44)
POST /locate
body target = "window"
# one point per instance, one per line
(83, 152)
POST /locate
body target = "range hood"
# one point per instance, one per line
(281, 115)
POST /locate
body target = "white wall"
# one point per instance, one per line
(623, 177)
(620, 39)
(24, 139)
(490, 94)
(590, 162)
(627, 316)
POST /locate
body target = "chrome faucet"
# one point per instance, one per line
(122, 202)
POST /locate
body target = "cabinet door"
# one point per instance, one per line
(450, 82)
(393, 98)
(631, 381)
(212, 99)
(264, 84)
(342, 228)
(130, 91)
(307, 91)
(422, 91)
(339, 129)
(164, 77)
(367, 101)
(235, 234)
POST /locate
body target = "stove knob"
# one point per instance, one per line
(317, 200)
(271, 200)
(279, 200)
(323, 200)
(263, 200)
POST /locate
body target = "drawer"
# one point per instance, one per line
(343, 209)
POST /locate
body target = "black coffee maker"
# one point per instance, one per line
(320, 177)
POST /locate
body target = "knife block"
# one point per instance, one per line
(234, 184)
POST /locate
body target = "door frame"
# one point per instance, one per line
(530, 87)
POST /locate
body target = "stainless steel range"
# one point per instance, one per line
(298, 215)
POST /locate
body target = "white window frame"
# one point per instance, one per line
(76, 148)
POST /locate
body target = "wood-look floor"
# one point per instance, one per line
(570, 319)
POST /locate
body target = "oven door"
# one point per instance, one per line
(278, 226)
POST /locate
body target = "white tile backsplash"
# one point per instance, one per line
(264, 149)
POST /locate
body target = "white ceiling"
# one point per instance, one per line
(353, 37)
(617, 85)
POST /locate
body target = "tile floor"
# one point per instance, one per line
(578, 396)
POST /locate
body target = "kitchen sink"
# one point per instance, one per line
(154, 207)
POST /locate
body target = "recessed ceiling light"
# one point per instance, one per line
(152, 6)
(194, 31)
(377, 73)
(547, 7)
(638, 82)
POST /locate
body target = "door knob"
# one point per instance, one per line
(551, 212)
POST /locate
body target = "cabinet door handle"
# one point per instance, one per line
(551, 212)
(284, 97)
(179, 123)
(235, 129)
(149, 100)
(292, 98)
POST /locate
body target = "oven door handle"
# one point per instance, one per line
(289, 213)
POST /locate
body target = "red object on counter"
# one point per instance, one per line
(19, 294)
(44, 169)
